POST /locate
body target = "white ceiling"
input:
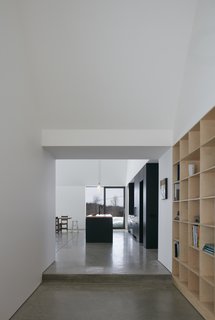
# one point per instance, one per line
(106, 64)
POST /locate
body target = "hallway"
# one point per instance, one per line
(119, 281)
(124, 256)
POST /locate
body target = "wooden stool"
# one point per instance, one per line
(64, 222)
(57, 224)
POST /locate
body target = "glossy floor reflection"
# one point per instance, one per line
(124, 256)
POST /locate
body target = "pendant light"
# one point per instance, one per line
(99, 176)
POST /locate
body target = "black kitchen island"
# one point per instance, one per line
(99, 228)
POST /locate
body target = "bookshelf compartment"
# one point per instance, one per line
(193, 187)
(207, 184)
(207, 211)
(175, 268)
(207, 237)
(176, 230)
(183, 274)
(206, 294)
(176, 249)
(194, 138)
(183, 236)
(176, 191)
(183, 169)
(186, 170)
(207, 127)
(176, 172)
(207, 271)
(183, 209)
(208, 156)
(176, 153)
(184, 147)
(194, 211)
(184, 190)
(194, 236)
(193, 260)
(176, 211)
(193, 284)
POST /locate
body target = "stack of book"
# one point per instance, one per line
(195, 236)
(209, 248)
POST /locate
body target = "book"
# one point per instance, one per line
(195, 236)
(209, 248)
(176, 191)
(178, 172)
(176, 245)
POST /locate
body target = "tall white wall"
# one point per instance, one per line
(70, 201)
(165, 213)
(27, 175)
(198, 94)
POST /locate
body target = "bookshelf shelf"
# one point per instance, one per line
(209, 306)
(210, 142)
(187, 177)
(177, 221)
(208, 254)
(195, 248)
(194, 215)
(195, 271)
(194, 155)
(207, 225)
(183, 147)
(194, 223)
(209, 280)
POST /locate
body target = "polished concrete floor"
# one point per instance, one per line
(124, 256)
(119, 281)
(142, 300)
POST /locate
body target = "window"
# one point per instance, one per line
(107, 200)
(94, 200)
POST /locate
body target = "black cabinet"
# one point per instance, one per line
(99, 229)
(143, 223)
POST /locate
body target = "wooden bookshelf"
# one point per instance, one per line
(193, 268)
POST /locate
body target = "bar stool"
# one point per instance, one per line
(75, 225)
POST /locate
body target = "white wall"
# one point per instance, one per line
(70, 200)
(27, 175)
(121, 61)
(68, 138)
(86, 172)
(165, 213)
(133, 167)
(198, 94)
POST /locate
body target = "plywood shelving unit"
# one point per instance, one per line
(194, 215)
